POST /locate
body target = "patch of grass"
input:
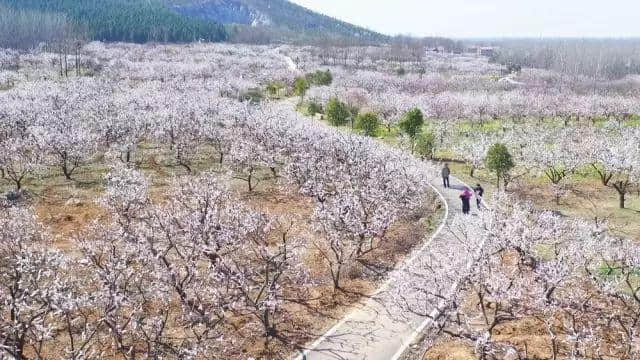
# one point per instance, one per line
(635, 122)
(490, 127)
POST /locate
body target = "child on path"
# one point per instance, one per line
(479, 191)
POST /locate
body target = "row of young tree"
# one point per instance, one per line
(595, 58)
(26, 29)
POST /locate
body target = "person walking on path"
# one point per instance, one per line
(479, 191)
(466, 201)
(445, 175)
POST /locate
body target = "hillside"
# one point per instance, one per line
(288, 20)
(27, 23)
(136, 21)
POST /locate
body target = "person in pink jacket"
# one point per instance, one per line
(466, 201)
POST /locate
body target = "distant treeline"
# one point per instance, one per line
(596, 58)
(137, 21)
(23, 29)
(446, 44)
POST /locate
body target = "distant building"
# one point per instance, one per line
(486, 51)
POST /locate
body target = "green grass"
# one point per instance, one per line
(490, 127)
(589, 199)
(633, 122)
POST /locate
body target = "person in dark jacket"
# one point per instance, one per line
(445, 175)
(466, 201)
(479, 191)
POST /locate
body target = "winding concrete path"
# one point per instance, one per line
(372, 330)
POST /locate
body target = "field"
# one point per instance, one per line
(231, 201)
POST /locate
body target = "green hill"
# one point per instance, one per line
(125, 20)
(282, 18)
(26, 23)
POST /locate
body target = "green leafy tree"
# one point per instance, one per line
(314, 108)
(368, 123)
(337, 112)
(300, 87)
(320, 78)
(411, 125)
(425, 144)
(354, 111)
(274, 88)
(499, 161)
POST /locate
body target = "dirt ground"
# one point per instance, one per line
(586, 198)
(67, 208)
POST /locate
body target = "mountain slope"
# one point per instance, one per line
(279, 15)
(126, 20)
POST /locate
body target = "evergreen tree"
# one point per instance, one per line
(337, 112)
(368, 123)
(136, 21)
(411, 125)
(499, 160)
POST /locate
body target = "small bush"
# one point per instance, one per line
(499, 161)
(337, 112)
(274, 88)
(300, 87)
(320, 78)
(426, 144)
(412, 123)
(314, 108)
(368, 123)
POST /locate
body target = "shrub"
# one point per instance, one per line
(425, 144)
(314, 108)
(411, 125)
(274, 88)
(320, 78)
(300, 87)
(368, 123)
(337, 112)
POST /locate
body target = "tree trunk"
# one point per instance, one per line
(187, 167)
(622, 199)
(65, 170)
(621, 187)
(249, 178)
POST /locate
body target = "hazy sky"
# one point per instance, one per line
(489, 18)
